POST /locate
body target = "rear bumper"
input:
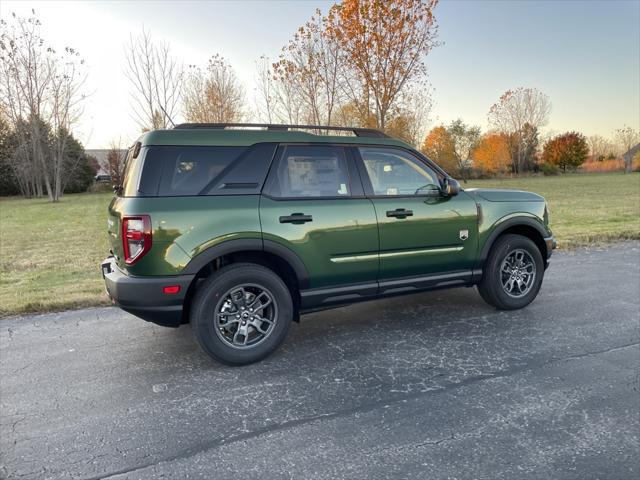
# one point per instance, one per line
(143, 296)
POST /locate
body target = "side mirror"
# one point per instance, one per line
(450, 187)
(429, 190)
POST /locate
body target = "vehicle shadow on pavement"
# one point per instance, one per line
(361, 331)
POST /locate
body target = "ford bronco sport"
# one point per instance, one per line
(239, 229)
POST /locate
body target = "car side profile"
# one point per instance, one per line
(239, 229)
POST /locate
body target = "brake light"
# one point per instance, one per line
(136, 237)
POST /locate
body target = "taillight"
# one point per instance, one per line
(136, 237)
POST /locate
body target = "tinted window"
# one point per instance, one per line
(188, 170)
(131, 174)
(171, 171)
(396, 172)
(310, 171)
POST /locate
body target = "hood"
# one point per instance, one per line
(495, 195)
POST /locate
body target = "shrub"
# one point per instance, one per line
(548, 169)
(568, 150)
(100, 187)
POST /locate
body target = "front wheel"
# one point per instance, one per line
(241, 314)
(512, 274)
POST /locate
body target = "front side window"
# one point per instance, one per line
(310, 171)
(395, 172)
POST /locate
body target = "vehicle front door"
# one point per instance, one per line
(422, 232)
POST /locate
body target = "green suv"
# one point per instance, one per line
(241, 228)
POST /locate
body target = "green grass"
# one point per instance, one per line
(49, 253)
(585, 208)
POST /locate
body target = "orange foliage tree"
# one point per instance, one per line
(384, 45)
(492, 155)
(311, 64)
(566, 150)
(440, 147)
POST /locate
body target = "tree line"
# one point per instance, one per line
(40, 103)
(513, 144)
(362, 63)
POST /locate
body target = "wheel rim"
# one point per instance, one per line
(245, 316)
(518, 273)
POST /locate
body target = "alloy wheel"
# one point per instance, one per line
(518, 273)
(245, 316)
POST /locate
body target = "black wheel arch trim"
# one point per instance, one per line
(250, 244)
(510, 223)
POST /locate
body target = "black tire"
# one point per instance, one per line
(207, 300)
(491, 287)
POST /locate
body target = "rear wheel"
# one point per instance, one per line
(512, 274)
(241, 314)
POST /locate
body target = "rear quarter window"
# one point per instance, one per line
(131, 175)
(175, 171)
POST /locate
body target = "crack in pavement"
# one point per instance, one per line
(363, 408)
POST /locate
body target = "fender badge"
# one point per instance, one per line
(464, 234)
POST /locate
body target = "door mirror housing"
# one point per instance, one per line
(429, 190)
(450, 187)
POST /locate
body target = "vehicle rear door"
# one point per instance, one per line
(313, 203)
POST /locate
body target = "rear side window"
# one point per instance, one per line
(188, 170)
(174, 171)
(310, 171)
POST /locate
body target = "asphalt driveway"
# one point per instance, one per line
(436, 385)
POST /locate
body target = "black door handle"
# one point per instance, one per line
(296, 218)
(400, 213)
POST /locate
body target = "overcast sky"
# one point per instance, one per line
(584, 54)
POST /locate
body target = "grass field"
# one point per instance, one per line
(49, 253)
(585, 208)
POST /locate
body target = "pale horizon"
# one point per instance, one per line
(584, 55)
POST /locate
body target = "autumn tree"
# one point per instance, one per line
(439, 146)
(566, 150)
(66, 97)
(266, 98)
(524, 145)
(40, 95)
(312, 65)
(520, 113)
(384, 45)
(156, 78)
(627, 138)
(464, 138)
(213, 95)
(600, 147)
(491, 156)
(115, 162)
